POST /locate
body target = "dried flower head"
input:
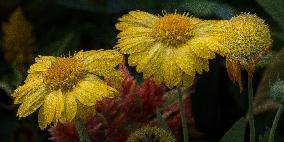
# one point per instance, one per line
(61, 85)
(18, 40)
(170, 48)
(151, 134)
(277, 91)
(246, 39)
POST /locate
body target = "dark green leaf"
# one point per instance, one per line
(208, 8)
(236, 133)
(275, 8)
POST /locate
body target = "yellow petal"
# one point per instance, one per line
(102, 63)
(135, 19)
(185, 60)
(171, 72)
(22, 91)
(32, 83)
(70, 108)
(97, 88)
(111, 57)
(59, 107)
(41, 119)
(135, 32)
(135, 58)
(204, 47)
(187, 80)
(86, 93)
(234, 72)
(53, 106)
(152, 61)
(42, 64)
(31, 103)
(189, 62)
(203, 64)
(134, 45)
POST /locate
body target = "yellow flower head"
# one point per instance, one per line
(171, 48)
(60, 86)
(151, 134)
(18, 40)
(246, 39)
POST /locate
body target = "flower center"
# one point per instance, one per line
(247, 38)
(173, 29)
(63, 73)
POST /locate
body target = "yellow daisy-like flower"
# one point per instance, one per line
(246, 39)
(171, 48)
(60, 86)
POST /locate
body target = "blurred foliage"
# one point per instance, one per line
(61, 27)
(236, 133)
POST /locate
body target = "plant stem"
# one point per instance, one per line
(82, 132)
(162, 121)
(250, 109)
(275, 122)
(183, 116)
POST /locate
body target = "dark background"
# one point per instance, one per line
(64, 26)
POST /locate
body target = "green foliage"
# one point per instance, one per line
(206, 8)
(275, 8)
(81, 130)
(61, 45)
(236, 133)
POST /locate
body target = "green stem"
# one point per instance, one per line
(162, 121)
(275, 123)
(83, 135)
(250, 109)
(183, 117)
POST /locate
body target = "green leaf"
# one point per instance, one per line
(275, 8)
(208, 8)
(236, 133)
(81, 130)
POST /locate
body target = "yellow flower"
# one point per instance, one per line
(171, 48)
(60, 86)
(18, 40)
(246, 39)
(151, 134)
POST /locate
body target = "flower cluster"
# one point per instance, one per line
(168, 49)
(173, 47)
